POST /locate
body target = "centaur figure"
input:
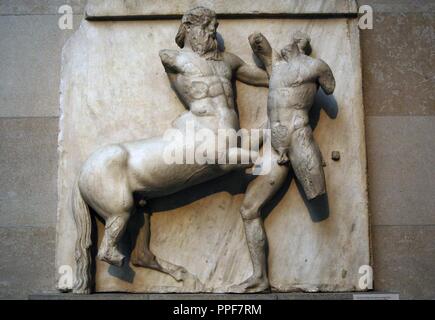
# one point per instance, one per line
(112, 177)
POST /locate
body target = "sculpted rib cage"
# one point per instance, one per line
(200, 89)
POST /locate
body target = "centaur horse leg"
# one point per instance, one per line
(103, 185)
(114, 229)
(142, 256)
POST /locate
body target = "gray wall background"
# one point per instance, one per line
(398, 79)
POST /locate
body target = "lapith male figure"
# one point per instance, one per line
(294, 80)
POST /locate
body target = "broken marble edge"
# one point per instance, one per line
(119, 10)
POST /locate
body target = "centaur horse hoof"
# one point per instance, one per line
(114, 257)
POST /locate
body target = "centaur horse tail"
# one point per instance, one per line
(82, 218)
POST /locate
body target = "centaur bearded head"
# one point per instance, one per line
(198, 31)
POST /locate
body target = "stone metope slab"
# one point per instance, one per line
(125, 95)
(97, 9)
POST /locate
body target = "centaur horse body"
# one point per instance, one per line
(202, 77)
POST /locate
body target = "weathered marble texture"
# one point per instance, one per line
(111, 71)
(133, 8)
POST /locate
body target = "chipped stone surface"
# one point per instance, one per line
(131, 8)
(111, 71)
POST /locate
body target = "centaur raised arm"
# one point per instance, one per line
(264, 51)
